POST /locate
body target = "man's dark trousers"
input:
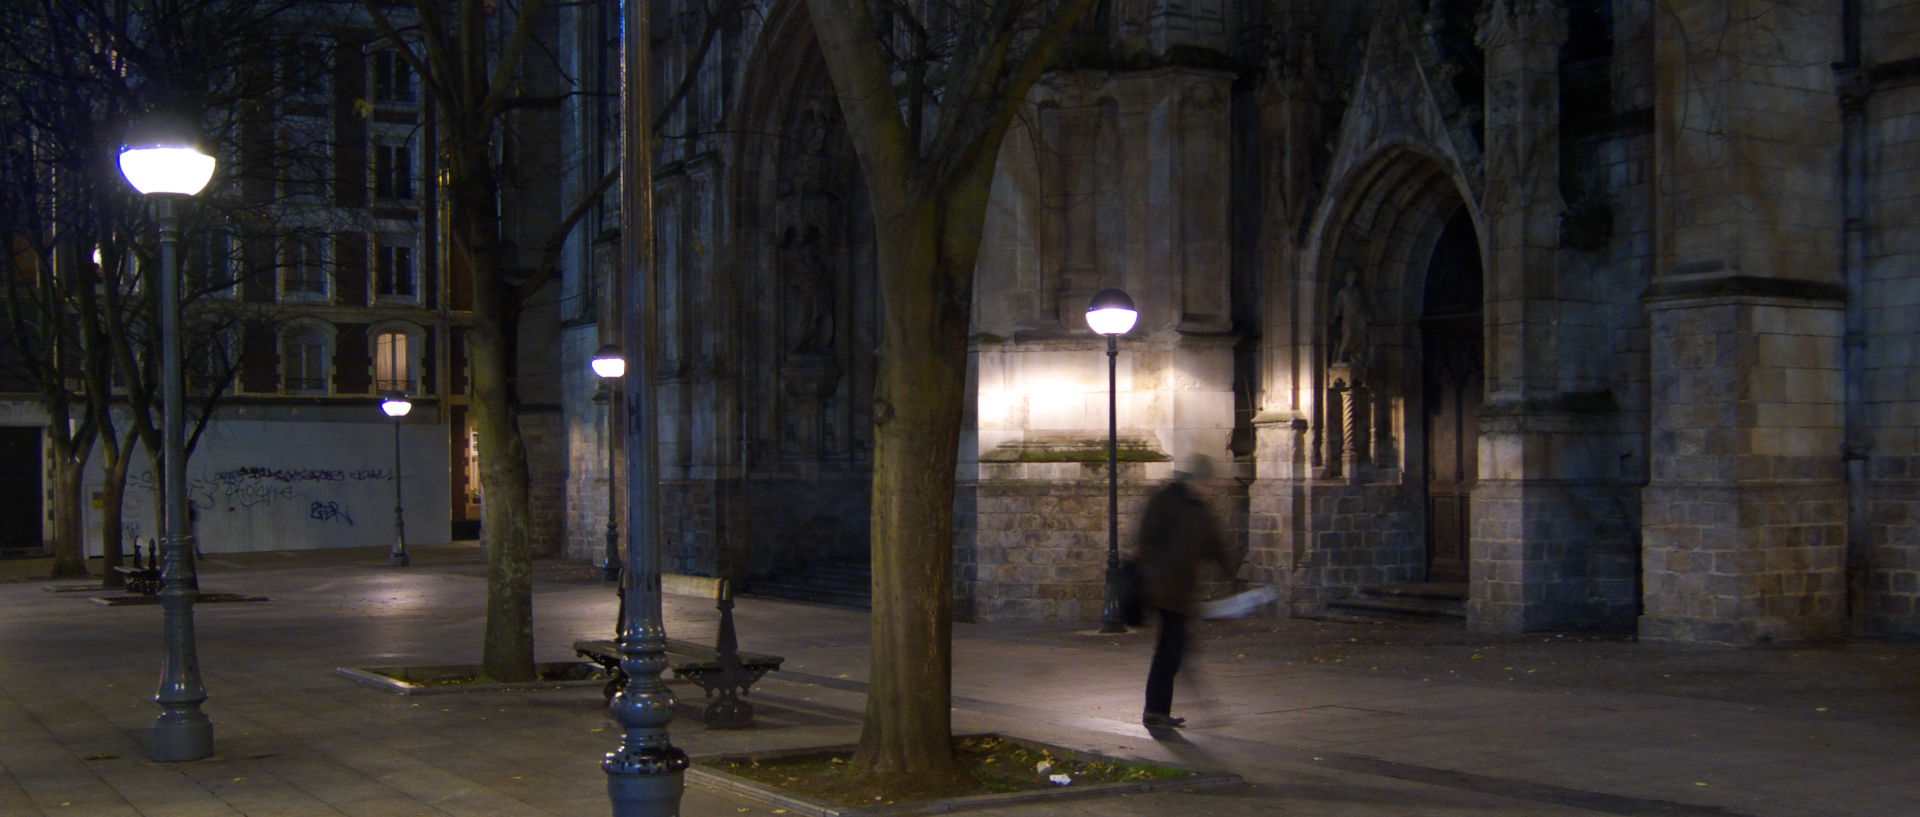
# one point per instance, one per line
(1167, 652)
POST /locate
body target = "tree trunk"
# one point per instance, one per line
(507, 653)
(926, 255)
(113, 494)
(69, 527)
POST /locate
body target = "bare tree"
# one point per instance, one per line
(929, 91)
(80, 294)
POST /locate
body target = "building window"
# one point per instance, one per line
(393, 171)
(306, 353)
(211, 266)
(212, 360)
(306, 69)
(305, 158)
(393, 270)
(392, 362)
(303, 270)
(392, 77)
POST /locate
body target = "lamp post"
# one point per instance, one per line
(609, 366)
(396, 406)
(1111, 313)
(647, 775)
(162, 159)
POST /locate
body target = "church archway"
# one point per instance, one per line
(1451, 382)
(798, 241)
(1399, 248)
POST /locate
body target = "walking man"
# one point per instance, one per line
(1177, 534)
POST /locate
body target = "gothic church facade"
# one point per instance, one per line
(1602, 313)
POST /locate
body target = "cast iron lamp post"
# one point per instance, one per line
(1111, 313)
(609, 366)
(162, 159)
(647, 775)
(397, 406)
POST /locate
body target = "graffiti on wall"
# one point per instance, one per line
(256, 486)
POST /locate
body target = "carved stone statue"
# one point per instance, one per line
(809, 291)
(1348, 326)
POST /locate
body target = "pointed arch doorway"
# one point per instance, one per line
(1451, 382)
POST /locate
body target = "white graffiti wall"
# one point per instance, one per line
(288, 485)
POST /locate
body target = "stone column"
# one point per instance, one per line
(1744, 522)
(1524, 567)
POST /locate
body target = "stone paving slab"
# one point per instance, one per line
(1320, 719)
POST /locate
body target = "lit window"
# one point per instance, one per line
(392, 368)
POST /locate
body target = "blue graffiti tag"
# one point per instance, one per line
(327, 511)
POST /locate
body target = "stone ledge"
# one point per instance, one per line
(1074, 448)
(797, 804)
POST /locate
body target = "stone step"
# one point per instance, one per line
(839, 582)
(1432, 601)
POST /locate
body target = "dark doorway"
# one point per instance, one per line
(20, 506)
(1452, 374)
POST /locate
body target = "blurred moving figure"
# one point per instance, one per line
(1178, 533)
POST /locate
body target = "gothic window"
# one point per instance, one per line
(394, 276)
(306, 353)
(303, 268)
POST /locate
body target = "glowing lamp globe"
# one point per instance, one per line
(163, 156)
(607, 363)
(1111, 312)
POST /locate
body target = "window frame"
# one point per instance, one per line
(411, 356)
(302, 331)
(384, 246)
(290, 261)
(385, 66)
(386, 185)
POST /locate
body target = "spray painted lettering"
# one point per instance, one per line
(328, 512)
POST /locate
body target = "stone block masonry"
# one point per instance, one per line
(1039, 548)
(1744, 527)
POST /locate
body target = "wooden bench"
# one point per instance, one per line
(143, 581)
(723, 671)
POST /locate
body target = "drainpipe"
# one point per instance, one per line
(1855, 85)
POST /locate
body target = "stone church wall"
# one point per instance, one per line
(1892, 377)
(1664, 317)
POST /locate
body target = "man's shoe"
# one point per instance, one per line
(1161, 719)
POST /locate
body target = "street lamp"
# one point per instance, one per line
(1111, 313)
(396, 406)
(646, 776)
(609, 366)
(162, 158)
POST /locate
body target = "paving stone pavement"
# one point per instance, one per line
(1324, 719)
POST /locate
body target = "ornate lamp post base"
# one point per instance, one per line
(1111, 618)
(182, 735)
